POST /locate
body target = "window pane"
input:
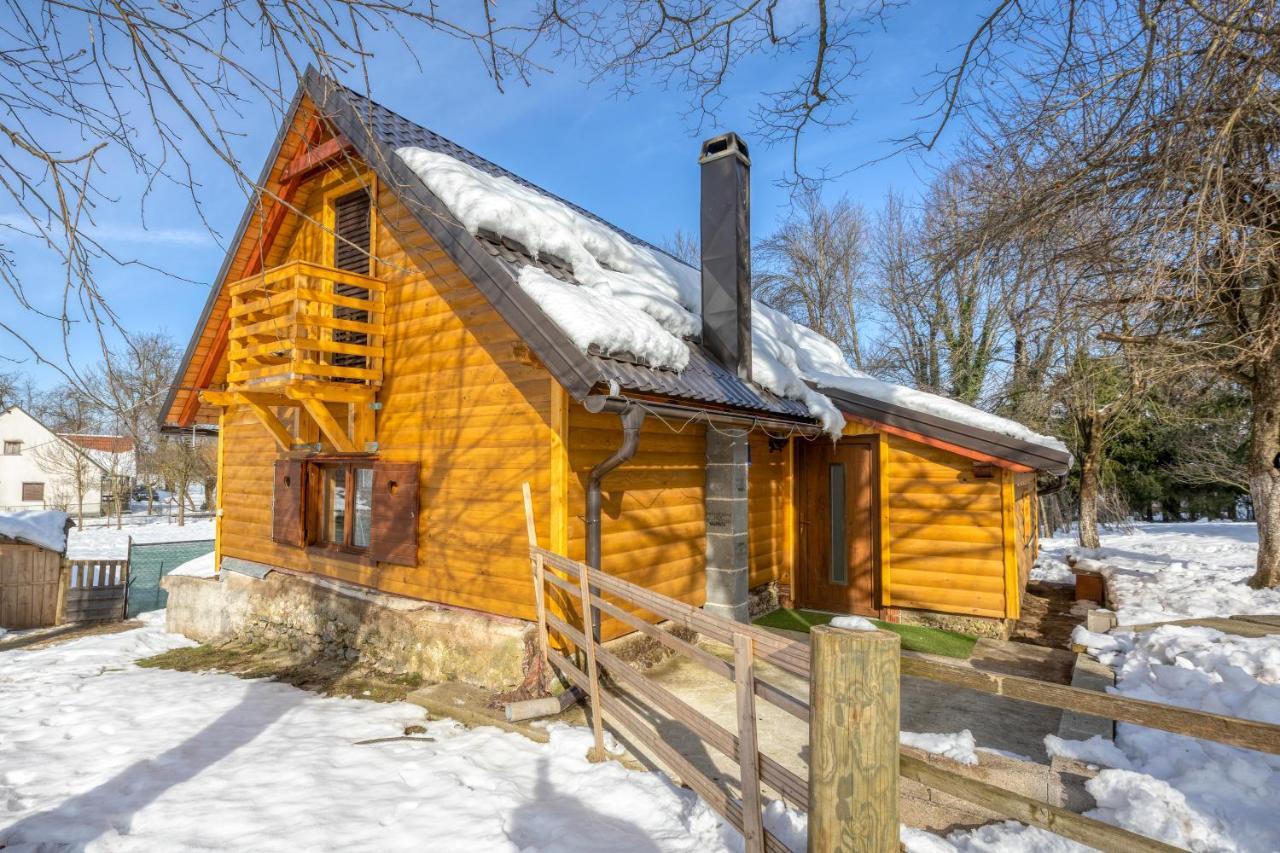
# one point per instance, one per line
(335, 505)
(839, 553)
(363, 509)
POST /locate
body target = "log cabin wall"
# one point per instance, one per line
(768, 498)
(947, 539)
(653, 529)
(460, 397)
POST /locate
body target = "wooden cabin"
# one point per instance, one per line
(383, 386)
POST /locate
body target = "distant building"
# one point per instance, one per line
(41, 469)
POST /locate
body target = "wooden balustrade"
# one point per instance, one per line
(305, 323)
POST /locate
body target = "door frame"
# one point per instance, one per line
(800, 574)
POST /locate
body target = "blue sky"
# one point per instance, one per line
(631, 160)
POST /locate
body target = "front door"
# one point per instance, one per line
(838, 517)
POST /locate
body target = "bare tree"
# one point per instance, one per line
(941, 287)
(183, 460)
(73, 475)
(812, 267)
(1163, 118)
(129, 385)
(683, 246)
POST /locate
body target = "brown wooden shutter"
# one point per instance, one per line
(351, 227)
(287, 526)
(394, 538)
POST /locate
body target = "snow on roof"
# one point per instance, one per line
(640, 302)
(46, 528)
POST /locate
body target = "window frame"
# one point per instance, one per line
(26, 499)
(16, 444)
(316, 523)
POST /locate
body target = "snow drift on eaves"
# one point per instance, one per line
(786, 356)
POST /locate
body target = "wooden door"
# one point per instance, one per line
(838, 516)
(30, 586)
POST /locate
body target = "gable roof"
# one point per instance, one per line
(493, 265)
(58, 437)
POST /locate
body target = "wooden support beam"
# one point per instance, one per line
(268, 419)
(363, 424)
(328, 425)
(314, 158)
(218, 398)
(329, 392)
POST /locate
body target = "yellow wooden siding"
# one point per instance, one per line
(653, 530)
(768, 493)
(946, 547)
(459, 397)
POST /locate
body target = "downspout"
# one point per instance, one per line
(632, 417)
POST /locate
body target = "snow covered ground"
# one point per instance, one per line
(98, 754)
(1197, 794)
(1161, 572)
(1192, 793)
(106, 543)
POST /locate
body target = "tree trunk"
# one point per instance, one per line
(182, 504)
(1090, 479)
(1264, 476)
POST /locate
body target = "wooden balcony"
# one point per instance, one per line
(310, 338)
(302, 322)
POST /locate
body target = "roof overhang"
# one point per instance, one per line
(971, 441)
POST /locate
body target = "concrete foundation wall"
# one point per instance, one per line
(324, 618)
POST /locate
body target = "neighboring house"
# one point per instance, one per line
(378, 417)
(42, 469)
(116, 456)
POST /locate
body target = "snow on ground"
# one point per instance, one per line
(201, 567)
(104, 542)
(959, 746)
(1197, 794)
(43, 527)
(1161, 572)
(98, 754)
(619, 279)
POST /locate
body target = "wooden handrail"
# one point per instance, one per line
(1087, 830)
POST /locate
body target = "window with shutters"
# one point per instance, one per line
(33, 491)
(365, 509)
(351, 243)
(13, 448)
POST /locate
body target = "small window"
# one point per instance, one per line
(839, 549)
(13, 448)
(33, 491)
(345, 505)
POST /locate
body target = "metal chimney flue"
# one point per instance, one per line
(726, 252)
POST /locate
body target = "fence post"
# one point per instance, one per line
(853, 740)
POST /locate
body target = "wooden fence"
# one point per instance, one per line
(97, 590)
(851, 794)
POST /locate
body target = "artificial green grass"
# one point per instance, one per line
(915, 638)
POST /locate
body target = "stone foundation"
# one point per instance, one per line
(763, 599)
(318, 617)
(978, 626)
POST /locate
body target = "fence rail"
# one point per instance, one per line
(846, 792)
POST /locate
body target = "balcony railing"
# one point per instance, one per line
(302, 322)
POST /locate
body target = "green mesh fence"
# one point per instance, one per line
(150, 562)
